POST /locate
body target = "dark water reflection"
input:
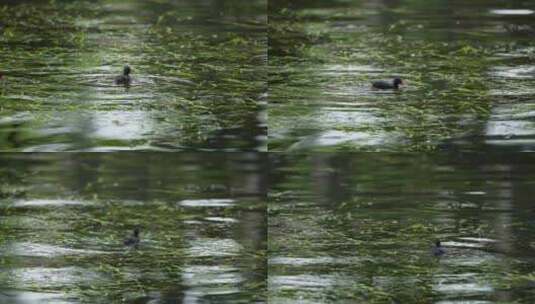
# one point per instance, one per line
(198, 68)
(468, 65)
(359, 228)
(63, 218)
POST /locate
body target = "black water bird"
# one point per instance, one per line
(124, 79)
(438, 250)
(385, 85)
(132, 240)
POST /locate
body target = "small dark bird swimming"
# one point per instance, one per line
(438, 250)
(132, 240)
(385, 85)
(124, 79)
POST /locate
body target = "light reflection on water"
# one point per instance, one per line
(360, 228)
(201, 219)
(462, 71)
(23, 249)
(197, 75)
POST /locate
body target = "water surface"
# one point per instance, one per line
(198, 75)
(359, 228)
(468, 68)
(63, 219)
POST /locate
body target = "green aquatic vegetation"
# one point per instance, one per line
(51, 19)
(66, 237)
(204, 76)
(359, 228)
(287, 37)
(448, 71)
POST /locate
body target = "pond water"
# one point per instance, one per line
(198, 68)
(467, 66)
(359, 228)
(64, 217)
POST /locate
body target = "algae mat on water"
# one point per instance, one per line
(199, 80)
